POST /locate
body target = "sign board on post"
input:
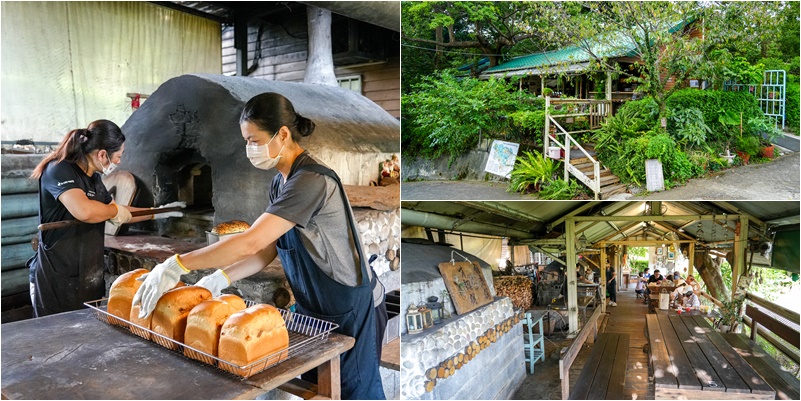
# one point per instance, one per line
(502, 157)
(654, 180)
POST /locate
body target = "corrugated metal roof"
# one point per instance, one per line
(575, 58)
(610, 46)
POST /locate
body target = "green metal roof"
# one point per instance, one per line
(610, 45)
(616, 47)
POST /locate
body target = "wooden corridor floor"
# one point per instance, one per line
(629, 317)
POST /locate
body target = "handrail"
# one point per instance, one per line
(595, 115)
(593, 183)
(777, 309)
(591, 326)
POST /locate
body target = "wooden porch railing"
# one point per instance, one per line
(764, 332)
(596, 112)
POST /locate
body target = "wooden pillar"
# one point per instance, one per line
(545, 141)
(570, 269)
(241, 43)
(609, 87)
(602, 283)
(511, 253)
(691, 259)
(740, 247)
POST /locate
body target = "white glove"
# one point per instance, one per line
(123, 216)
(174, 204)
(163, 277)
(215, 282)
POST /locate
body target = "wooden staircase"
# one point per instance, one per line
(610, 183)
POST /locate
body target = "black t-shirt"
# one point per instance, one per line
(57, 178)
(654, 279)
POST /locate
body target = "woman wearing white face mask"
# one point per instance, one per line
(67, 269)
(309, 225)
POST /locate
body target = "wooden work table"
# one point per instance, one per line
(690, 360)
(73, 355)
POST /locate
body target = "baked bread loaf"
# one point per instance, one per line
(230, 227)
(250, 335)
(121, 296)
(204, 323)
(172, 309)
(146, 321)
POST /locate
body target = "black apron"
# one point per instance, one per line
(352, 308)
(70, 271)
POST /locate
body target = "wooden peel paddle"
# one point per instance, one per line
(147, 212)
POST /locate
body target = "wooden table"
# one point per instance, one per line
(73, 355)
(690, 360)
(592, 290)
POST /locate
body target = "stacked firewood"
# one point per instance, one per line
(517, 288)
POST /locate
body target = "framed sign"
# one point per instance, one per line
(465, 282)
(659, 250)
(502, 157)
(671, 255)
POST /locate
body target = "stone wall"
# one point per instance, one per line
(466, 167)
(499, 364)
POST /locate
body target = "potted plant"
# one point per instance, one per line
(747, 146)
(547, 92)
(767, 132)
(729, 316)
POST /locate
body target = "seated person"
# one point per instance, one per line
(693, 283)
(655, 278)
(639, 288)
(691, 300)
(589, 276)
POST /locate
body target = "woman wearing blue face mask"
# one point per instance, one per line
(309, 226)
(67, 269)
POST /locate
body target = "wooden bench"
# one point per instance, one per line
(604, 373)
(785, 384)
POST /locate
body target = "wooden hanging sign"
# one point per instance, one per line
(465, 282)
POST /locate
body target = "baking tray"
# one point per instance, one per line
(304, 332)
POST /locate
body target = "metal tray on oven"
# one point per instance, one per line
(304, 331)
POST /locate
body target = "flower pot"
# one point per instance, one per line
(744, 156)
(724, 328)
(767, 151)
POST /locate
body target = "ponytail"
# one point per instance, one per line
(78, 143)
(271, 111)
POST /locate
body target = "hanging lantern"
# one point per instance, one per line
(436, 309)
(414, 320)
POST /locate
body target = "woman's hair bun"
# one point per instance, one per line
(304, 125)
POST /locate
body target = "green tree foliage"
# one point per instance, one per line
(483, 28)
(446, 114)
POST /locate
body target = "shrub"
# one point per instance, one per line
(560, 190)
(710, 103)
(688, 127)
(447, 114)
(791, 112)
(532, 169)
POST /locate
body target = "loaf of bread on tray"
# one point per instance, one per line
(172, 309)
(134, 318)
(121, 296)
(204, 323)
(251, 335)
(230, 227)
